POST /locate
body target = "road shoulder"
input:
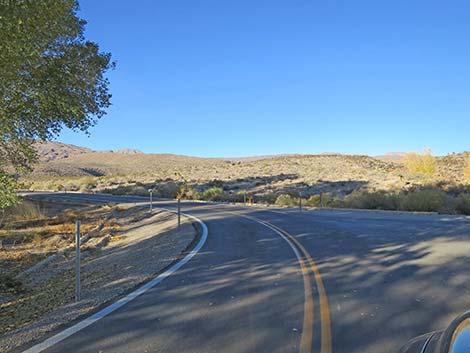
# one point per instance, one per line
(146, 247)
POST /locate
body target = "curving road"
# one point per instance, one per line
(276, 280)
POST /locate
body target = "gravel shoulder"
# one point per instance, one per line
(111, 266)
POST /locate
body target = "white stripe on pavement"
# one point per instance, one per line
(112, 307)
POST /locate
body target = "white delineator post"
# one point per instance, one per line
(151, 199)
(77, 261)
(300, 201)
(179, 212)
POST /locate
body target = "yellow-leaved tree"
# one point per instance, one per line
(421, 163)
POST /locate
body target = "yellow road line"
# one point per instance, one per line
(306, 339)
(325, 318)
(324, 307)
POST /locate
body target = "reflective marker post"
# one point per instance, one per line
(179, 212)
(151, 200)
(77, 261)
(300, 201)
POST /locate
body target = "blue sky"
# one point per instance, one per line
(252, 77)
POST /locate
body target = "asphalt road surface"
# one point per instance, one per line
(277, 280)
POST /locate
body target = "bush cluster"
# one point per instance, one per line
(425, 200)
(462, 204)
(212, 194)
(286, 200)
(429, 199)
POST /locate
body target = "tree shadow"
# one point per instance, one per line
(389, 277)
(230, 298)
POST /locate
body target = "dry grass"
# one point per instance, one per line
(34, 231)
(29, 236)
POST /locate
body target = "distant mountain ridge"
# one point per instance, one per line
(53, 150)
(392, 156)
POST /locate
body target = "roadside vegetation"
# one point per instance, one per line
(32, 231)
(34, 293)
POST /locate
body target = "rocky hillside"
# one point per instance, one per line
(52, 150)
(451, 167)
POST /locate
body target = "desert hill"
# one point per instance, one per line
(330, 173)
(52, 150)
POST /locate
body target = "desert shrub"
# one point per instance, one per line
(373, 200)
(269, 198)
(285, 200)
(320, 200)
(24, 211)
(462, 204)
(51, 186)
(167, 190)
(313, 201)
(128, 190)
(211, 194)
(120, 190)
(423, 163)
(139, 191)
(71, 186)
(423, 200)
(34, 237)
(10, 284)
(228, 197)
(87, 184)
(188, 192)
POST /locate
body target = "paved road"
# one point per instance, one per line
(371, 280)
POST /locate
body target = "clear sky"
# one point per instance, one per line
(252, 77)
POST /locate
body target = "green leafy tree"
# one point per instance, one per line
(50, 77)
(8, 196)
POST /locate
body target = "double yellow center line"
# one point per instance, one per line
(308, 268)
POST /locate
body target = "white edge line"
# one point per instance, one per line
(297, 254)
(121, 302)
